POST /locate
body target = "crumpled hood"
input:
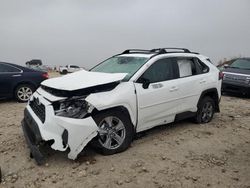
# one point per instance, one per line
(82, 79)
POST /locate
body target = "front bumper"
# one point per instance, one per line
(64, 132)
(235, 87)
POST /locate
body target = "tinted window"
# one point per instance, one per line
(6, 68)
(186, 67)
(190, 67)
(161, 70)
(202, 68)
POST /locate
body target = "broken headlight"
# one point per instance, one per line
(73, 108)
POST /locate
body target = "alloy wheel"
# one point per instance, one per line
(112, 132)
(207, 112)
(24, 93)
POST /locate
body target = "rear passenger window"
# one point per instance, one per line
(161, 70)
(186, 67)
(191, 66)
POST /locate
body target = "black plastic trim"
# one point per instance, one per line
(65, 138)
(184, 115)
(33, 138)
(81, 92)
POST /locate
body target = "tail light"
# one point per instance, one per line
(221, 75)
(45, 75)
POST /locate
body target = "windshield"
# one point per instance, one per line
(121, 64)
(241, 64)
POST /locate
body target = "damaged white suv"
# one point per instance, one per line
(126, 94)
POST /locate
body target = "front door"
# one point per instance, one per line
(158, 102)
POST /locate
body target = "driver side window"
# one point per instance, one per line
(161, 70)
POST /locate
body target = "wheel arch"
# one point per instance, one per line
(213, 93)
(122, 97)
(118, 108)
(22, 83)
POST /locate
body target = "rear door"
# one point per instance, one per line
(191, 82)
(158, 103)
(9, 76)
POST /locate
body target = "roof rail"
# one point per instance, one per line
(157, 51)
(165, 50)
(136, 51)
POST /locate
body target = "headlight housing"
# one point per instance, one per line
(72, 108)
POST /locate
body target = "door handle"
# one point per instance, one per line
(16, 75)
(174, 88)
(202, 81)
(156, 86)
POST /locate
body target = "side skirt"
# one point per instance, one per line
(184, 115)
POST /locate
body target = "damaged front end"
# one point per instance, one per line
(66, 122)
(58, 112)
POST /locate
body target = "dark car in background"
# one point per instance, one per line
(19, 82)
(237, 77)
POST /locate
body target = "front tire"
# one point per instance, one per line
(23, 92)
(64, 72)
(206, 109)
(115, 132)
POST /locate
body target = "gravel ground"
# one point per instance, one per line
(182, 154)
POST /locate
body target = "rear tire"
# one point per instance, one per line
(23, 92)
(206, 109)
(115, 134)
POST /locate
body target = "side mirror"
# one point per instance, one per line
(145, 83)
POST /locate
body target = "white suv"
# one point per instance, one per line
(69, 69)
(126, 94)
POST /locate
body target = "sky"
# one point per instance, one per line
(86, 32)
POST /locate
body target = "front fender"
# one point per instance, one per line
(123, 95)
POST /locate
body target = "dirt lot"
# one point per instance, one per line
(177, 155)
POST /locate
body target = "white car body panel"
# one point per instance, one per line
(153, 107)
(82, 79)
(123, 95)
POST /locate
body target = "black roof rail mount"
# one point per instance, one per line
(157, 51)
(136, 51)
(165, 50)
